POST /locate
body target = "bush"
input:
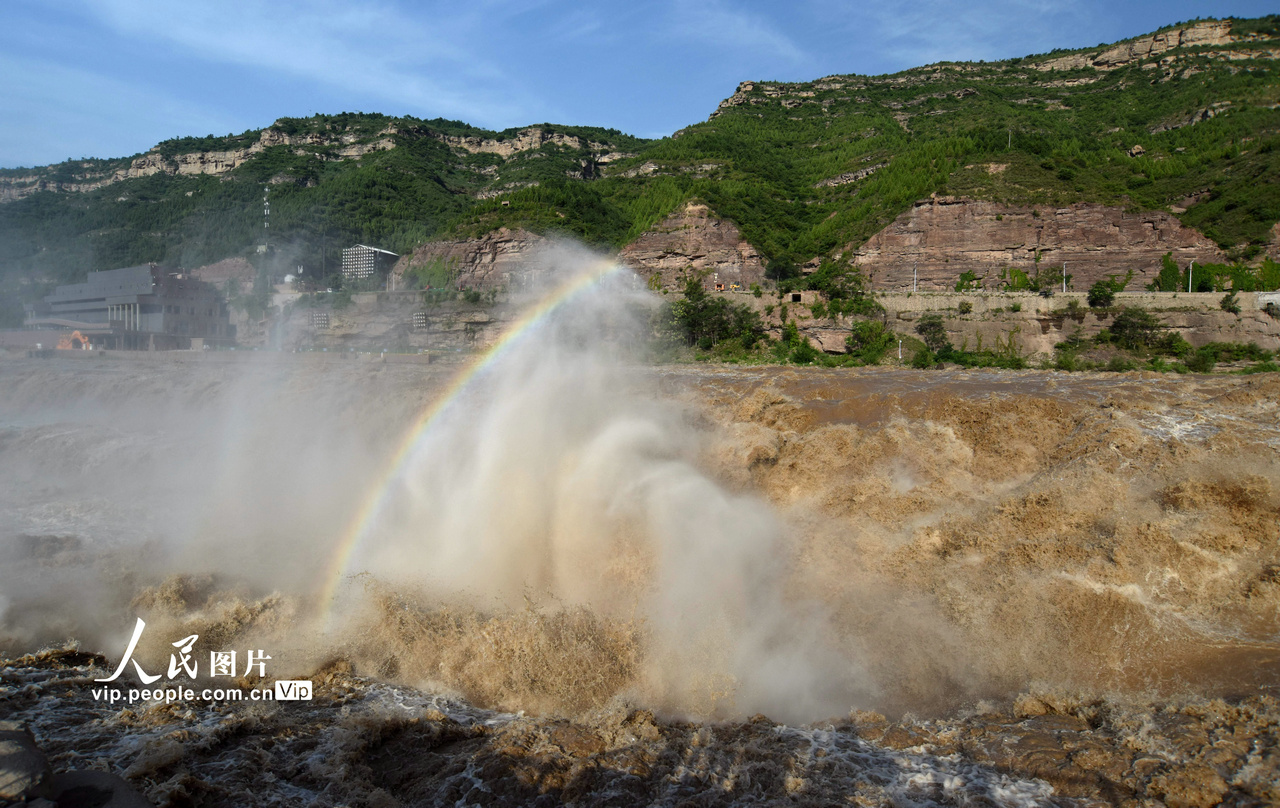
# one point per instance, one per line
(870, 341)
(1229, 303)
(1236, 351)
(1066, 360)
(1201, 361)
(968, 281)
(703, 320)
(1134, 328)
(781, 271)
(1101, 295)
(923, 358)
(1170, 277)
(1263, 367)
(843, 287)
(803, 353)
(1119, 364)
(934, 333)
(965, 307)
(1171, 344)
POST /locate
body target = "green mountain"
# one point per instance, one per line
(1186, 119)
(331, 181)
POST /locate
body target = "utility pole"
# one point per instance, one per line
(913, 277)
(1064, 277)
(1190, 268)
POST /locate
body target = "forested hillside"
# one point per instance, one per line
(805, 169)
(1185, 120)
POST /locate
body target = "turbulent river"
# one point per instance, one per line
(570, 577)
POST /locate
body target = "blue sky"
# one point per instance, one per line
(110, 78)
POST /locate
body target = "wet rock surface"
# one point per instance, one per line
(24, 772)
(359, 742)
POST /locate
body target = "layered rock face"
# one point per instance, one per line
(1212, 32)
(216, 163)
(943, 238)
(342, 146)
(501, 259)
(692, 238)
(528, 139)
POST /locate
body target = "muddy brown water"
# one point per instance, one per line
(1056, 589)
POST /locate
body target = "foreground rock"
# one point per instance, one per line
(24, 772)
(97, 789)
(363, 743)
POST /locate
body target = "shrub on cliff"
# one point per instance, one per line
(1237, 352)
(1134, 328)
(1169, 278)
(804, 353)
(1202, 360)
(1101, 296)
(1103, 293)
(934, 333)
(923, 359)
(869, 341)
(703, 320)
(842, 285)
(968, 281)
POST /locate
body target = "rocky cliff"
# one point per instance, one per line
(535, 137)
(943, 237)
(690, 238)
(90, 177)
(1211, 32)
(693, 238)
(500, 259)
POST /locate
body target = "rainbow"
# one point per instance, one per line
(336, 570)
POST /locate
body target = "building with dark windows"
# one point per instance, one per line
(362, 261)
(140, 308)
